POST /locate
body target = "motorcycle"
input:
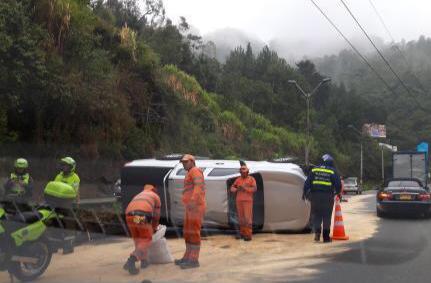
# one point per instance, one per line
(29, 235)
(25, 250)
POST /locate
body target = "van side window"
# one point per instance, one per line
(218, 172)
(182, 171)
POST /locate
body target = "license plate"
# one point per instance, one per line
(405, 197)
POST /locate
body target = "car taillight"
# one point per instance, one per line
(424, 197)
(384, 196)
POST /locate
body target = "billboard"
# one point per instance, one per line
(423, 147)
(374, 130)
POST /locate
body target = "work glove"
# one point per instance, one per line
(340, 197)
(233, 189)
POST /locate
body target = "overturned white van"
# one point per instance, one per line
(278, 205)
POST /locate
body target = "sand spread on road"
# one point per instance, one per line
(269, 257)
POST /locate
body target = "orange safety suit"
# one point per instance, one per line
(194, 202)
(244, 187)
(142, 217)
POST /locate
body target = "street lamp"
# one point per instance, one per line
(362, 152)
(307, 97)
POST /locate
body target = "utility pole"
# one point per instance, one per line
(362, 153)
(383, 166)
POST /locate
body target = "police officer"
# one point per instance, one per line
(68, 174)
(320, 188)
(19, 186)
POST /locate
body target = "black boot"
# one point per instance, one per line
(179, 261)
(130, 265)
(326, 237)
(189, 264)
(317, 233)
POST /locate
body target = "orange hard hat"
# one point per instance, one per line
(149, 188)
(187, 157)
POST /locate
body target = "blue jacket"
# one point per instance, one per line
(323, 178)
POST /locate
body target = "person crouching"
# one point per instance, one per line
(142, 217)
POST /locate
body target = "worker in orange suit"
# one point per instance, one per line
(194, 203)
(244, 187)
(142, 217)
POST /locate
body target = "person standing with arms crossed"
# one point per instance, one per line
(195, 204)
(244, 187)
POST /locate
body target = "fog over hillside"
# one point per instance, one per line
(292, 50)
(228, 39)
(296, 29)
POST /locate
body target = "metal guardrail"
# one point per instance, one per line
(101, 216)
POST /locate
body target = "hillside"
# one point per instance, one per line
(108, 80)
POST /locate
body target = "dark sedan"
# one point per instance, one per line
(403, 197)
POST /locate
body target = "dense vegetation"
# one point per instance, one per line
(405, 112)
(108, 79)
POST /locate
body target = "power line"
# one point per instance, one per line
(381, 20)
(395, 45)
(379, 52)
(353, 47)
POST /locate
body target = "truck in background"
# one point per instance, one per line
(410, 164)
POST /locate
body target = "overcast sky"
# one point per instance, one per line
(299, 20)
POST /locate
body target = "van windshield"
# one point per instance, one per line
(349, 181)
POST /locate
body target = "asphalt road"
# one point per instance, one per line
(379, 250)
(398, 251)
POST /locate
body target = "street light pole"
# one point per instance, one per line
(307, 97)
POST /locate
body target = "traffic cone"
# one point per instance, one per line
(338, 232)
